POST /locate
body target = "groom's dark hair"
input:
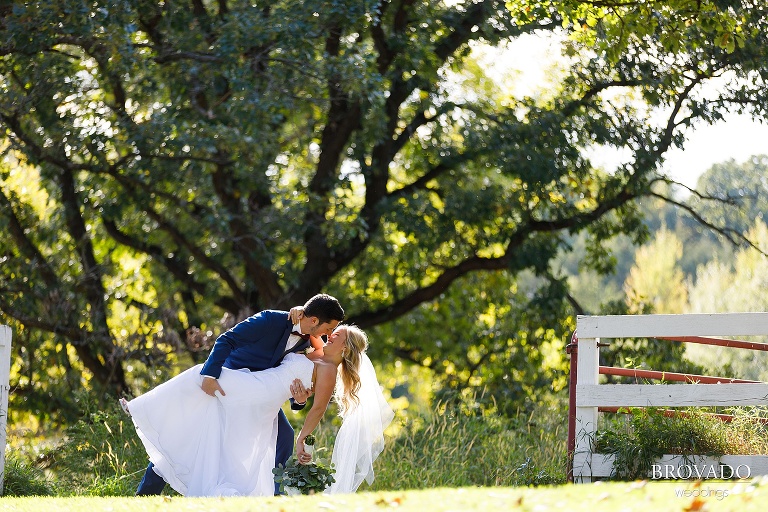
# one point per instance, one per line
(325, 308)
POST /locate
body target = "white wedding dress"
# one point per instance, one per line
(223, 446)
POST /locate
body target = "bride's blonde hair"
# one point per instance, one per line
(348, 384)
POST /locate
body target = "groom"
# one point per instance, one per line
(257, 343)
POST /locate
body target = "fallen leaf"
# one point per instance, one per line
(394, 502)
(695, 505)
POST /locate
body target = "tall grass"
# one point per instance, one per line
(103, 456)
(453, 448)
(23, 478)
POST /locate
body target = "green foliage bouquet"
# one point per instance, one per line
(295, 478)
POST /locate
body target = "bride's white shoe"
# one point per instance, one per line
(124, 406)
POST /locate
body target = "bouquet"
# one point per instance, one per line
(295, 478)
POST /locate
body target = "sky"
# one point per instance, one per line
(525, 65)
(737, 138)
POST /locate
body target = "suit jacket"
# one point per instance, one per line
(256, 343)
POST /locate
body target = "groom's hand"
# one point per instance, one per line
(299, 393)
(211, 386)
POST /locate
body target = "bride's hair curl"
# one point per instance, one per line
(349, 369)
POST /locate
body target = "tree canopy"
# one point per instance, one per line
(170, 163)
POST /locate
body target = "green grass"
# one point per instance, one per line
(605, 497)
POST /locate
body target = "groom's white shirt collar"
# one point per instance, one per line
(294, 338)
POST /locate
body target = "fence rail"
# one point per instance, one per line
(588, 396)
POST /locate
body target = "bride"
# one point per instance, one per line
(225, 446)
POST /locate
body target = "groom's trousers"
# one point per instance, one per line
(153, 484)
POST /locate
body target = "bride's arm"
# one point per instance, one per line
(325, 382)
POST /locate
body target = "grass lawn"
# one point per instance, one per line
(686, 496)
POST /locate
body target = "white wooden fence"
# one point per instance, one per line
(594, 330)
(5, 371)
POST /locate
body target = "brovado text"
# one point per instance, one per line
(699, 472)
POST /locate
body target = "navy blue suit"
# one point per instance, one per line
(256, 343)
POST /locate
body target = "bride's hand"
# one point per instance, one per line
(296, 314)
(301, 455)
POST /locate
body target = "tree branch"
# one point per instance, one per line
(733, 236)
(174, 266)
(251, 249)
(344, 117)
(25, 245)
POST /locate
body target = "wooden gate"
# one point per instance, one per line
(588, 395)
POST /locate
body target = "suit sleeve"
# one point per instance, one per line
(223, 346)
(244, 333)
(297, 407)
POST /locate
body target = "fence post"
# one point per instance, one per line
(5, 374)
(586, 417)
(572, 349)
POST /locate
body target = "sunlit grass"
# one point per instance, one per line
(604, 497)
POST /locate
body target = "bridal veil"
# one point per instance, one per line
(361, 436)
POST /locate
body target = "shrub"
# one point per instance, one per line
(102, 454)
(639, 438)
(22, 478)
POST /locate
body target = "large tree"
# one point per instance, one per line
(184, 160)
